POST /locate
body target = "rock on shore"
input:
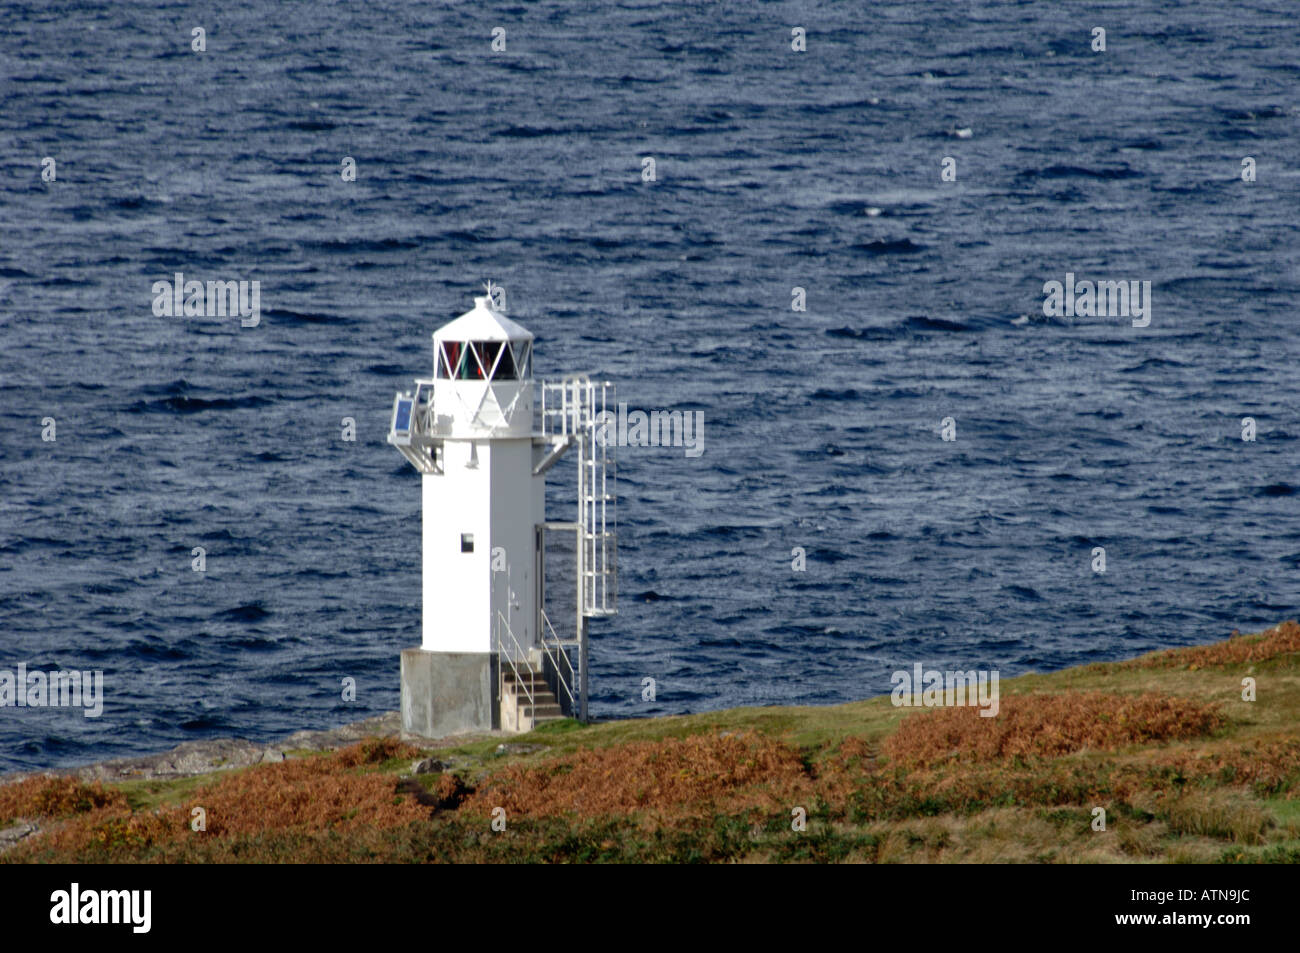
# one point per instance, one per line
(200, 757)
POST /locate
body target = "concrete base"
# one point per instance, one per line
(449, 693)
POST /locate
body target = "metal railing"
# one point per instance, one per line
(555, 650)
(573, 409)
(505, 656)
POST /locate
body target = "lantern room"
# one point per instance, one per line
(483, 368)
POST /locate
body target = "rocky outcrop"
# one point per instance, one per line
(12, 835)
(201, 757)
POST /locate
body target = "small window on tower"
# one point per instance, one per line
(467, 542)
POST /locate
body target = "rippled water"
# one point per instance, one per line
(774, 169)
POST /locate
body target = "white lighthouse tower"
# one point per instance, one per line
(483, 434)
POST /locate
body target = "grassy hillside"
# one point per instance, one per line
(1185, 769)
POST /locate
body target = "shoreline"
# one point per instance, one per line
(194, 758)
(1188, 755)
(206, 756)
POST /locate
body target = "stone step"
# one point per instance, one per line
(526, 680)
(543, 707)
(542, 710)
(537, 687)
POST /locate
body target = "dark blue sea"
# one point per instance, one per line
(774, 170)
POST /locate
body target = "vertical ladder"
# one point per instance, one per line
(596, 507)
(573, 408)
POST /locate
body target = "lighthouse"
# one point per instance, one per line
(484, 435)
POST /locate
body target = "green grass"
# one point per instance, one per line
(1204, 800)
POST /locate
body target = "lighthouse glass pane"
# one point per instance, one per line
(453, 360)
(488, 352)
(524, 359)
(475, 366)
(506, 365)
(466, 368)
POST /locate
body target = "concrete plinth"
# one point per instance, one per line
(449, 693)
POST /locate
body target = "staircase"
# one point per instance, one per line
(526, 700)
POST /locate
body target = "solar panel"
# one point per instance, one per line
(402, 423)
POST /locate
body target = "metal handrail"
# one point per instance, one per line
(559, 649)
(528, 687)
